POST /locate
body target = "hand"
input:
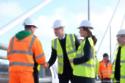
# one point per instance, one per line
(71, 61)
(45, 65)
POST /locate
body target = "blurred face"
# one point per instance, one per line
(105, 58)
(59, 32)
(83, 33)
(33, 28)
(121, 39)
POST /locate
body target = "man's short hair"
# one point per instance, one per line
(29, 26)
(105, 55)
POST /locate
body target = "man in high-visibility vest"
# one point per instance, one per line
(23, 48)
(105, 69)
(64, 47)
(119, 62)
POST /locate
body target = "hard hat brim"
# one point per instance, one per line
(58, 27)
(120, 35)
(31, 25)
(85, 27)
(121, 32)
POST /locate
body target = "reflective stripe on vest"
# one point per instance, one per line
(11, 45)
(70, 52)
(20, 64)
(31, 44)
(39, 56)
(55, 44)
(69, 49)
(122, 77)
(60, 56)
(105, 72)
(60, 64)
(73, 44)
(88, 65)
(122, 61)
(29, 52)
(20, 52)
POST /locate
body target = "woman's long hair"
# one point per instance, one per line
(91, 35)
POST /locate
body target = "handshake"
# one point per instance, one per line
(45, 65)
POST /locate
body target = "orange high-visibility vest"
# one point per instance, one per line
(105, 70)
(21, 53)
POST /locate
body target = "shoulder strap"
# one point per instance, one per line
(31, 43)
(11, 44)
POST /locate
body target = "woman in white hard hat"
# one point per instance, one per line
(84, 63)
(119, 62)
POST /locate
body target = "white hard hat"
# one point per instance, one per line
(121, 32)
(29, 21)
(85, 23)
(57, 24)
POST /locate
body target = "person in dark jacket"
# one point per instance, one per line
(64, 47)
(84, 63)
(119, 60)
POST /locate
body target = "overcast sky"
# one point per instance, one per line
(71, 12)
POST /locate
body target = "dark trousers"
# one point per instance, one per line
(36, 73)
(106, 80)
(65, 79)
(36, 76)
(78, 79)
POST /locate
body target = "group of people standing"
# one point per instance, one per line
(76, 60)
